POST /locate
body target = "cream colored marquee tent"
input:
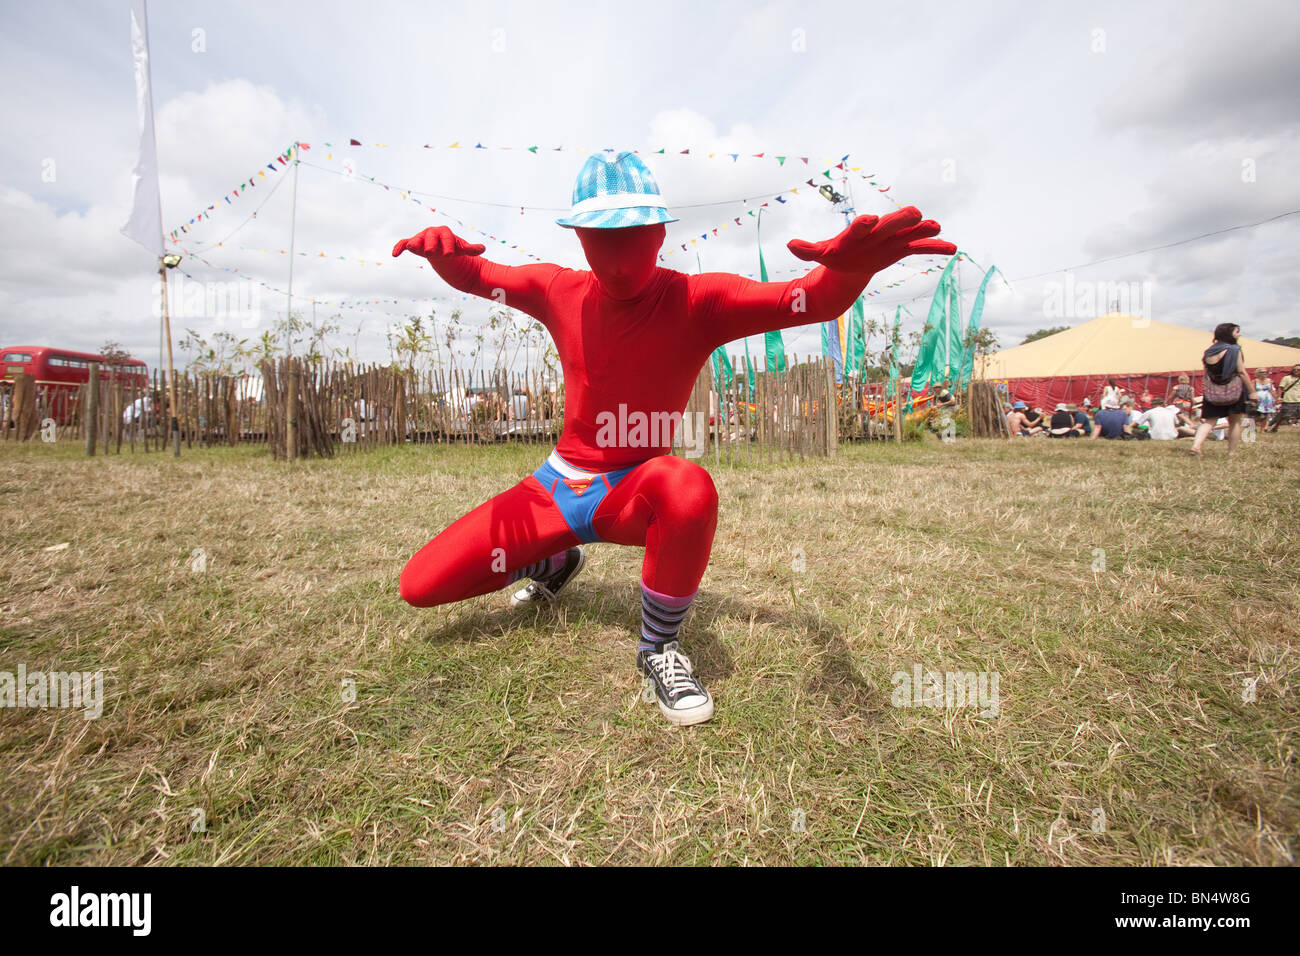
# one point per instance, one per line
(1140, 354)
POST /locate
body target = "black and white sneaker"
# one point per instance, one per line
(545, 589)
(682, 698)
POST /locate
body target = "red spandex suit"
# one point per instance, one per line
(631, 337)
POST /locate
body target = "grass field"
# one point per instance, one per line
(1124, 731)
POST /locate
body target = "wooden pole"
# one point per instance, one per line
(291, 413)
(92, 409)
(171, 368)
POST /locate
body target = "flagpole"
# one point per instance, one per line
(171, 370)
(145, 222)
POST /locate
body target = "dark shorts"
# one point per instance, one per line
(1288, 412)
(1211, 411)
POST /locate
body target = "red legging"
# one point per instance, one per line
(668, 505)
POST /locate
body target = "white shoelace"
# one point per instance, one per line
(536, 588)
(674, 670)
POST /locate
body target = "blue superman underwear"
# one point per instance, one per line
(578, 493)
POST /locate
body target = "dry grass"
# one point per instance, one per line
(481, 734)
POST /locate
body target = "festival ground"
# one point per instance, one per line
(236, 606)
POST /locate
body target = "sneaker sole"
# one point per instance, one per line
(582, 563)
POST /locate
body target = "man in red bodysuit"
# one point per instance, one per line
(631, 337)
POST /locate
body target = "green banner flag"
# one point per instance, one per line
(857, 335)
(722, 370)
(928, 359)
(773, 340)
(976, 312)
(954, 347)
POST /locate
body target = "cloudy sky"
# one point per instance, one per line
(1042, 136)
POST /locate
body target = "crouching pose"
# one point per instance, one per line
(631, 337)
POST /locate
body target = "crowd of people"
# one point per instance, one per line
(1233, 402)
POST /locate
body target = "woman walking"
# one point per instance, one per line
(1227, 387)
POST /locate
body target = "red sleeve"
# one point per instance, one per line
(731, 307)
(516, 287)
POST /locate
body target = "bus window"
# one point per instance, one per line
(17, 357)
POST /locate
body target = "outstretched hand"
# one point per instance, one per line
(438, 242)
(870, 244)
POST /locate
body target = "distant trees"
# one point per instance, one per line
(1043, 333)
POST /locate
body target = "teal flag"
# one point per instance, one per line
(954, 349)
(929, 360)
(976, 312)
(857, 335)
(723, 372)
(773, 340)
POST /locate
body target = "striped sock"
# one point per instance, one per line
(544, 568)
(661, 616)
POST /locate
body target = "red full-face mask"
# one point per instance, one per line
(622, 260)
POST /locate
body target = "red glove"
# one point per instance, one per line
(438, 242)
(869, 244)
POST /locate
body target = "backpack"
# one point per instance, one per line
(1221, 393)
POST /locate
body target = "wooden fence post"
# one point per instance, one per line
(92, 408)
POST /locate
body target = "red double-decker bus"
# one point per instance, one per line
(58, 373)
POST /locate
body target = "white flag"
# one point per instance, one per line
(145, 224)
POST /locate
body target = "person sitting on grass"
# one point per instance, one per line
(1138, 428)
(1017, 422)
(1166, 422)
(1062, 424)
(1081, 420)
(1112, 423)
(1034, 420)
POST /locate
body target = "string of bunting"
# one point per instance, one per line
(239, 190)
(779, 159)
(406, 194)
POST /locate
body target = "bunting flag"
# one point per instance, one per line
(206, 213)
(976, 312)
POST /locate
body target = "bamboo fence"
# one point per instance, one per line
(298, 409)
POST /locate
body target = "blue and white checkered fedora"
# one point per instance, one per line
(615, 194)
